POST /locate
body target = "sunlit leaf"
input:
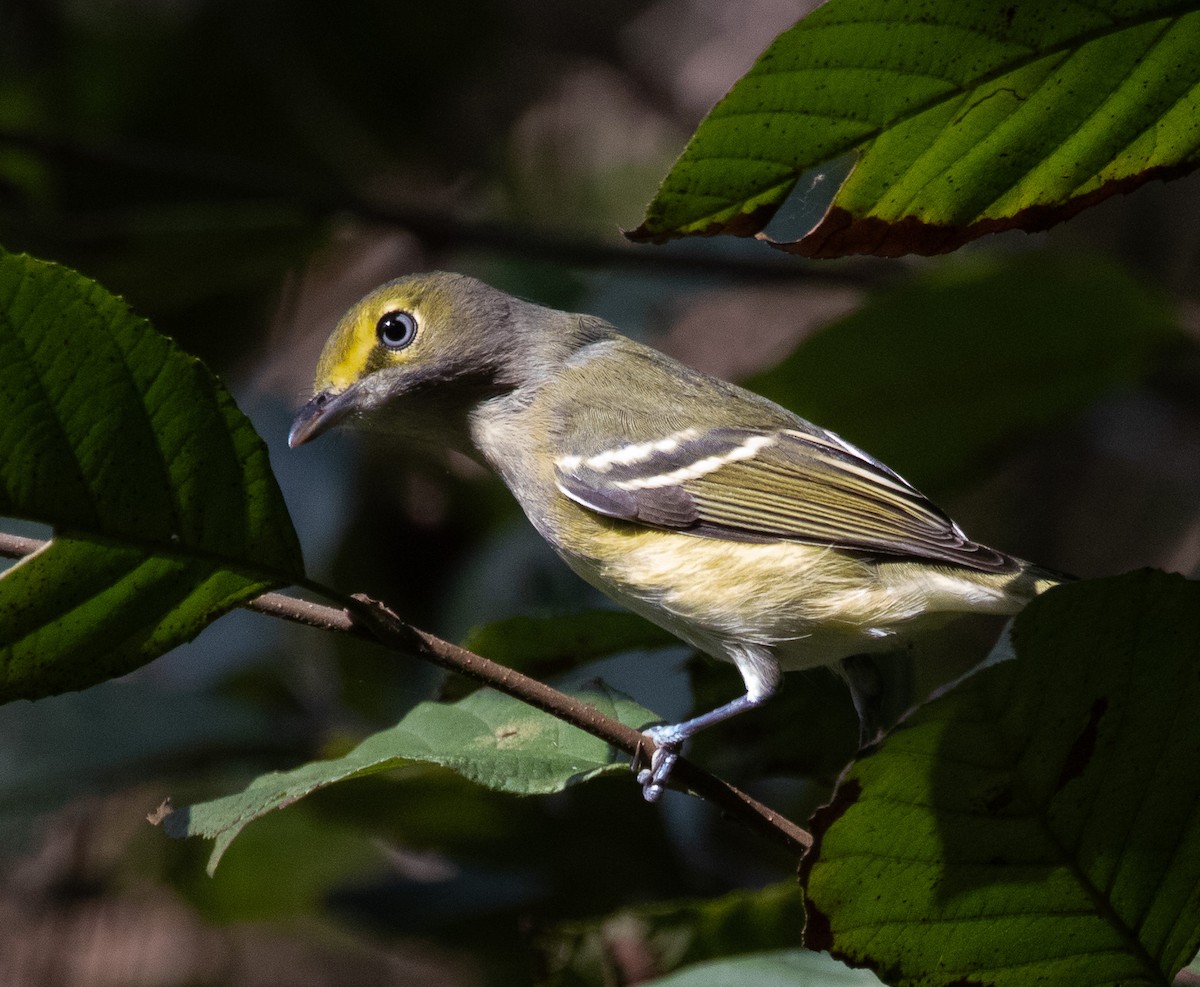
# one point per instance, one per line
(970, 117)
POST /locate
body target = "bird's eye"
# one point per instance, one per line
(396, 329)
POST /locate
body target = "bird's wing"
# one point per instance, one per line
(771, 485)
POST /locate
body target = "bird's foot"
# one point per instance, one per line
(666, 752)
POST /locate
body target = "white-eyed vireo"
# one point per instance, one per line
(747, 531)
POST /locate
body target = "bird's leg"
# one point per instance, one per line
(669, 738)
(866, 690)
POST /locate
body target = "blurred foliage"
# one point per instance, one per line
(1050, 334)
(237, 172)
(637, 943)
(109, 736)
(152, 145)
(782, 968)
(547, 647)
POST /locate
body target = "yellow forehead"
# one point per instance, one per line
(353, 350)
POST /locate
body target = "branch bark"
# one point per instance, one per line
(370, 620)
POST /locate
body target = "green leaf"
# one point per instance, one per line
(667, 935)
(1037, 823)
(166, 511)
(487, 737)
(973, 355)
(970, 117)
(785, 968)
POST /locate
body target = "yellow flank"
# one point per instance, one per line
(810, 605)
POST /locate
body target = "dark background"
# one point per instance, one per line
(240, 173)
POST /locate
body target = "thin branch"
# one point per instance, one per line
(437, 229)
(370, 620)
(16, 547)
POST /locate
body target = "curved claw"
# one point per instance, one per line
(668, 739)
(654, 778)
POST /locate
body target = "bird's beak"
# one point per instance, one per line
(324, 411)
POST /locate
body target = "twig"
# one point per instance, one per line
(16, 547)
(370, 620)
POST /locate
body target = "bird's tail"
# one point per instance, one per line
(1032, 580)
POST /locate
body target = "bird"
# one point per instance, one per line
(748, 532)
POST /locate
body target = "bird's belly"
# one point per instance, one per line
(804, 605)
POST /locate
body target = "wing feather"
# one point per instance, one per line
(786, 484)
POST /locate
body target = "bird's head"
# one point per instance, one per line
(414, 355)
